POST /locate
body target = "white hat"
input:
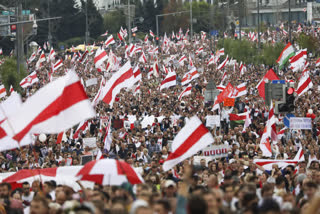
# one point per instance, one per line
(169, 183)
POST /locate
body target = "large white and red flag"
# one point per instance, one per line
(182, 59)
(137, 74)
(188, 77)
(169, 81)
(269, 132)
(29, 80)
(242, 68)
(52, 55)
(240, 90)
(297, 61)
(151, 33)
(3, 91)
(268, 163)
(143, 58)
(32, 57)
(155, 67)
(98, 97)
(41, 59)
(109, 41)
(318, 62)
(304, 85)
(193, 137)
(105, 34)
(185, 92)
(223, 64)
(57, 65)
(123, 78)
(100, 57)
(54, 108)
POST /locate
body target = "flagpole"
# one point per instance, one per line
(87, 26)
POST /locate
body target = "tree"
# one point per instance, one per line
(309, 42)
(112, 21)
(95, 20)
(9, 75)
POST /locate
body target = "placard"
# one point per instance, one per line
(90, 142)
(91, 82)
(228, 101)
(216, 151)
(85, 159)
(213, 120)
(300, 123)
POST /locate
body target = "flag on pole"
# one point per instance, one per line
(304, 85)
(123, 78)
(105, 34)
(109, 41)
(54, 108)
(169, 81)
(193, 137)
(286, 53)
(189, 76)
(185, 92)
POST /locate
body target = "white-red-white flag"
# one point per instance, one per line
(32, 57)
(109, 41)
(193, 137)
(155, 68)
(137, 74)
(52, 55)
(29, 80)
(188, 77)
(100, 57)
(143, 58)
(135, 29)
(41, 59)
(169, 81)
(108, 137)
(318, 62)
(54, 108)
(185, 92)
(223, 64)
(123, 78)
(269, 132)
(151, 33)
(98, 97)
(57, 65)
(105, 34)
(3, 91)
(304, 85)
(182, 59)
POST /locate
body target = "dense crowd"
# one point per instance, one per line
(232, 184)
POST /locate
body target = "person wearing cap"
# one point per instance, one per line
(170, 189)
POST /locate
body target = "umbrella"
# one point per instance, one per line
(109, 172)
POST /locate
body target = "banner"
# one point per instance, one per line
(91, 82)
(213, 120)
(216, 151)
(228, 101)
(300, 123)
(90, 142)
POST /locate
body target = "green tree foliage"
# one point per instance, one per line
(310, 42)
(9, 75)
(247, 52)
(114, 20)
(95, 20)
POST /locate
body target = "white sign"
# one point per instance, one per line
(300, 123)
(91, 82)
(197, 159)
(213, 120)
(216, 151)
(90, 142)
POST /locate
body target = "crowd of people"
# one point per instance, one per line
(231, 184)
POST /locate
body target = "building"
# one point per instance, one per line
(275, 12)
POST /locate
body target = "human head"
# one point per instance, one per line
(39, 205)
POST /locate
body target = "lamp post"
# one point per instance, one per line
(129, 21)
(191, 22)
(49, 25)
(166, 14)
(87, 24)
(258, 25)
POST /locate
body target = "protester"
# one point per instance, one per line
(139, 128)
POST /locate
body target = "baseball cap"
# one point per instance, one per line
(169, 183)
